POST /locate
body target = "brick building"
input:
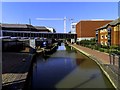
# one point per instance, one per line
(85, 29)
(109, 34)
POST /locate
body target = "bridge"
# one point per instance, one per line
(31, 34)
(30, 31)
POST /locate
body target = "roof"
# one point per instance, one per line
(14, 25)
(40, 27)
(51, 29)
(23, 27)
(97, 20)
(113, 23)
(106, 25)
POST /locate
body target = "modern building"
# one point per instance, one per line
(85, 29)
(109, 34)
(73, 30)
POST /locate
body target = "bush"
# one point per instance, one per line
(101, 49)
(96, 48)
(87, 42)
(114, 47)
(106, 50)
(118, 47)
(104, 46)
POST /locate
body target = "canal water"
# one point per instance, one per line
(67, 68)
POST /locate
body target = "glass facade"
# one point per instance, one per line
(96, 36)
(109, 36)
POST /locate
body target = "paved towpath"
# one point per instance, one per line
(112, 70)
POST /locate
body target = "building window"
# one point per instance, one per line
(102, 36)
(106, 43)
(105, 30)
(109, 30)
(73, 26)
(102, 43)
(101, 31)
(109, 37)
(109, 43)
(97, 32)
(106, 36)
(96, 37)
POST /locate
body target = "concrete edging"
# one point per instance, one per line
(99, 64)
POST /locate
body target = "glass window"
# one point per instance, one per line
(102, 36)
(73, 26)
(96, 32)
(102, 42)
(106, 36)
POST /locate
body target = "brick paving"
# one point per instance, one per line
(113, 71)
(103, 57)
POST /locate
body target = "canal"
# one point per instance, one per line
(67, 68)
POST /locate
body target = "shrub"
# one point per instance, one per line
(87, 42)
(106, 50)
(114, 47)
(104, 46)
(101, 49)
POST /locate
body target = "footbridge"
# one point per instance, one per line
(31, 34)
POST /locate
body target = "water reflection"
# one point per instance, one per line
(88, 80)
(67, 68)
(62, 47)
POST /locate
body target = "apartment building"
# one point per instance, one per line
(109, 34)
(85, 29)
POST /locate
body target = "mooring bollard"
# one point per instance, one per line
(119, 61)
(110, 57)
(113, 59)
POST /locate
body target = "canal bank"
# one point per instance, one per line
(67, 68)
(17, 67)
(102, 59)
(15, 70)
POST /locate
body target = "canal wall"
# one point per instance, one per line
(15, 71)
(27, 85)
(39, 52)
(112, 76)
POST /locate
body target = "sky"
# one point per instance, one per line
(21, 12)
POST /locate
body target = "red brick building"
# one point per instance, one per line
(85, 29)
